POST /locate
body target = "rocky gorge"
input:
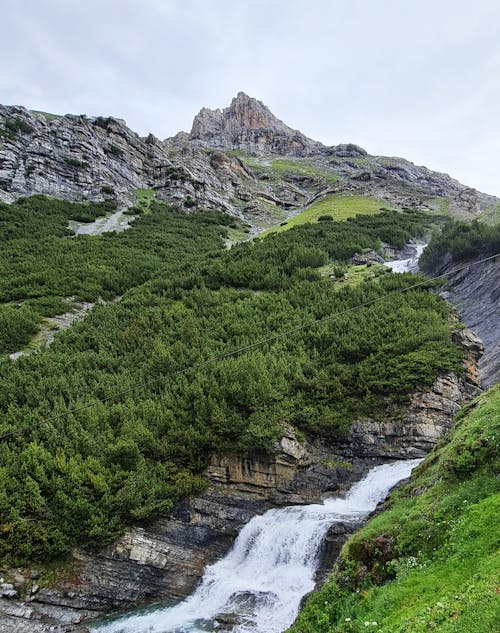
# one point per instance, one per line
(165, 560)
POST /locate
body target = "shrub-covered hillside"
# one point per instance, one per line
(116, 420)
(460, 241)
(430, 560)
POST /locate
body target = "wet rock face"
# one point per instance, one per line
(336, 536)
(475, 292)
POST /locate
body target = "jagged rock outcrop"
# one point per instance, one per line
(80, 157)
(247, 124)
(367, 256)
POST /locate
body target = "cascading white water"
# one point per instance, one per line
(270, 567)
(409, 265)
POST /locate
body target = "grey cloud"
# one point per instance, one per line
(414, 79)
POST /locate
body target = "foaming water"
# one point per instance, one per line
(409, 265)
(259, 584)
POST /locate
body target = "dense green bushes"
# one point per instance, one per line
(458, 242)
(109, 425)
(17, 326)
(38, 257)
(429, 561)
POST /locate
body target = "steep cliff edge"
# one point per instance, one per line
(97, 158)
(166, 559)
(475, 292)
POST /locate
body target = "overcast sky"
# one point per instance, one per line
(418, 79)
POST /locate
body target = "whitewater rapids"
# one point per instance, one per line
(271, 566)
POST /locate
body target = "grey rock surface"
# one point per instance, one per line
(474, 290)
(97, 158)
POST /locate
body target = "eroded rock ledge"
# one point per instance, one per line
(166, 559)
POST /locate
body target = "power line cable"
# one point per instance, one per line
(259, 343)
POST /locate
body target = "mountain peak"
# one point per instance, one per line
(249, 125)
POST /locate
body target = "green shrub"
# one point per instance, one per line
(185, 300)
(429, 561)
(114, 150)
(15, 125)
(75, 162)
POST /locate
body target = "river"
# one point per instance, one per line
(409, 265)
(258, 586)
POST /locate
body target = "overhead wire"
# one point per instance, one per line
(219, 357)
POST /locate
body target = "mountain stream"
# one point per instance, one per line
(258, 586)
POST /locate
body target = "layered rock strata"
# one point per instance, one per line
(166, 559)
(96, 158)
(474, 290)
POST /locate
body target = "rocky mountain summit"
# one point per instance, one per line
(248, 125)
(242, 160)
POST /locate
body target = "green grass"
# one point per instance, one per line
(237, 233)
(355, 274)
(300, 167)
(491, 215)
(279, 169)
(48, 115)
(143, 199)
(338, 206)
(430, 561)
(444, 206)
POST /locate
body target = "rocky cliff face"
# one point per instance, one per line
(167, 558)
(78, 157)
(475, 292)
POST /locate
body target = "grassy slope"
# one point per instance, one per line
(293, 167)
(338, 206)
(430, 561)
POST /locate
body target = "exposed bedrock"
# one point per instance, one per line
(166, 559)
(474, 290)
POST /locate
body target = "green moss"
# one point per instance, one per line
(429, 561)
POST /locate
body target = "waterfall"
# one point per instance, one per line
(409, 265)
(258, 585)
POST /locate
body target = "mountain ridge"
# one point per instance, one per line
(229, 161)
